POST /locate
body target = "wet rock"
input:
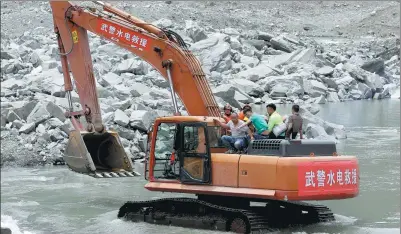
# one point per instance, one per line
(121, 118)
(336, 130)
(27, 128)
(332, 97)
(320, 100)
(356, 94)
(314, 131)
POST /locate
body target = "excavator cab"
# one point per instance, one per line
(98, 154)
(181, 150)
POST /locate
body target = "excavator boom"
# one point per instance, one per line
(92, 149)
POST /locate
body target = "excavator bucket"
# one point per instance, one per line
(99, 155)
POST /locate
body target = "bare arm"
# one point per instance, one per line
(223, 125)
(250, 133)
(245, 124)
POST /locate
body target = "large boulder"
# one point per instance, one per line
(110, 79)
(285, 43)
(314, 88)
(231, 95)
(121, 118)
(245, 85)
(195, 32)
(38, 115)
(374, 66)
(345, 82)
(257, 73)
(314, 131)
(142, 119)
(27, 128)
(292, 82)
(214, 53)
(132, 65)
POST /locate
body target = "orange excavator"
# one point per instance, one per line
(184, 153)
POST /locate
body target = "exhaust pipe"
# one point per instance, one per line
(100, 155)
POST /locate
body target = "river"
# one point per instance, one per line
(52, 199)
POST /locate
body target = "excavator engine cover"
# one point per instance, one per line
(292, 148)
(98, 155)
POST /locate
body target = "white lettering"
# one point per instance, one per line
(354, 176)
(330, 178)
(309, 179)
(143, 42)
(119, 33)
(104, 27)
(135, 39)
(347, 176)
(340, 177)
(321, 176)
(112, 30)
(127, 36)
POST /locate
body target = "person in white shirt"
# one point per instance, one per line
(236, 143)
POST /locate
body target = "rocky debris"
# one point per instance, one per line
(241, 66)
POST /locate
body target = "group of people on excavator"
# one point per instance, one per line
(247, 126)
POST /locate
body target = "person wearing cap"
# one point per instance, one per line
(228, 110)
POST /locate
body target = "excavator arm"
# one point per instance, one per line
(91, 149)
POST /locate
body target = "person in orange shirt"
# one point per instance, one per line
(241, 115)
(228, 110)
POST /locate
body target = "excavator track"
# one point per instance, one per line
(195, 213)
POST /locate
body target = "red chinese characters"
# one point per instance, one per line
(332, 177)
(124, 35)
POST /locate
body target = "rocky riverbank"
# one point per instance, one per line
(256, 66)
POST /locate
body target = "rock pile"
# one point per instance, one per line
(252, 66)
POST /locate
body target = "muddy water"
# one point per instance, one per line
(55, 200)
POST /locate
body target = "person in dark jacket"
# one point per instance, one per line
(294, 124)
